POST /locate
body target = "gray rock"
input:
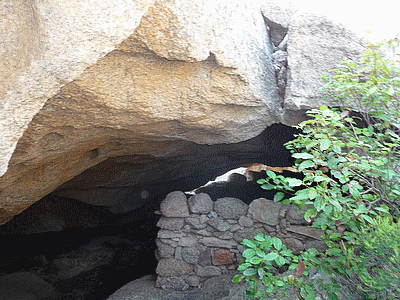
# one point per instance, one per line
(226, 235)
(24, 286)
(265, 211)
(172, 267)
(87, 258)
(200, 204)
(168, 234)
(175, 205)
(319, 245)
(203, 232)
(178, 253)
(207, 271)
(218, 224)
(187, 241)
(316, 45)
(205, 257)
(216, 242)
(190, 255)
(247, 233)
(294, 244)
(196, 222)
(297, 216)
(230, 208)
(219, 288)
(164, 250)
(246, 221)
(173, 283)
(171, 223)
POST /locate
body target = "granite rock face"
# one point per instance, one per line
(88, 81)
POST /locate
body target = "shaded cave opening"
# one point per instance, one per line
(87, 251)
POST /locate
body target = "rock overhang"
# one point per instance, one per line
(197, 72)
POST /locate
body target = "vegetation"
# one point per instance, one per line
(350, 161)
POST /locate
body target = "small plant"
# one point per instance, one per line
(263, 260)
(376, 260)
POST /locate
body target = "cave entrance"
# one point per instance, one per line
(92, 235)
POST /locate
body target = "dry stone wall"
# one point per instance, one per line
(200, 238)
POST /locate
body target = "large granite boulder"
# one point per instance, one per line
(88, 81)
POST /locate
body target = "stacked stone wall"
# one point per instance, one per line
(200, 238)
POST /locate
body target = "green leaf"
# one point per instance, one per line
(303, 155)
(333, 296)
(271, 256)
(306, 164)
(325, 144)
(250, 272)
(271, 174)
(294, 181)
(237, 278)
(373, 90)
(255, 260)
(280, 261)
(249, 243)
(268, 187)
(279, 196)
(259, 237)
(312, 193)
(368, 219)
(244, 266)
(249, 253)
(277, 243)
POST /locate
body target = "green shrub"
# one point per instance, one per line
(351, 176)
(376, 260)
(264, 259)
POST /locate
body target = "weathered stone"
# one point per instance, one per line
(200, 204)
(216, 242)
(222, 257)
(282, 225)
(245, 221)
(207, 271)
(168, 234)
(315, 46)
(169, 242)
(247, 233)
(164, 250)
(306, 232)
(78, 79)
(269, 228)
(192, 280)
(278, 15)
(172, 267)
(202, 232)
(297, 216)
(235, 228)
(226, 235)
(175, 205)
(294, 244)
(176, 283)
(205, 257)
(218, 224)
(171, 223)
(230, 208)
(196, 222)
(24, 285)
(187, 241)
(190, 255)
(265, 211)
(178, 253)
(319, 245)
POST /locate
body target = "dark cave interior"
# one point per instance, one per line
(118, 240)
